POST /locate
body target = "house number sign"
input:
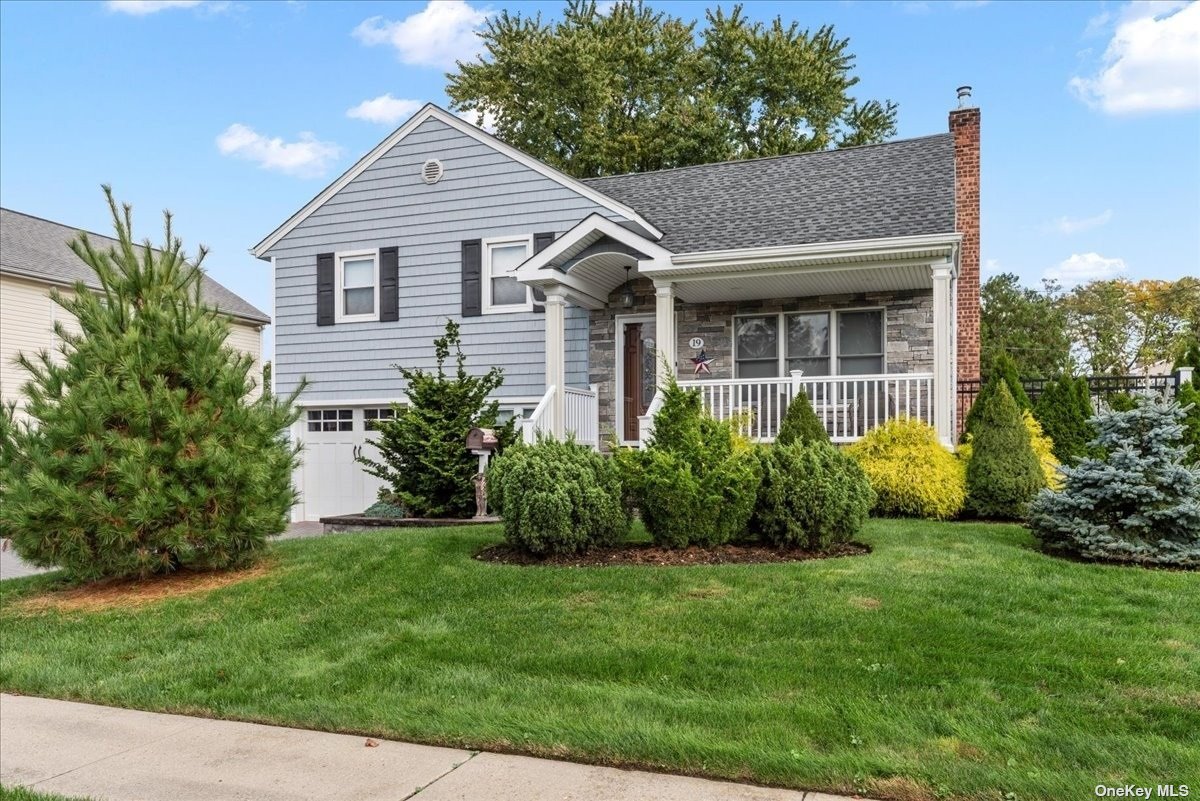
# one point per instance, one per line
(695, 343)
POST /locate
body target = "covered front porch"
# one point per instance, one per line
(864, 329)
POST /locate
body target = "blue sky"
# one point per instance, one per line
(234, 114)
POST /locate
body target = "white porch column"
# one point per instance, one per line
(556, 357)
(943, 353)
(664, 330)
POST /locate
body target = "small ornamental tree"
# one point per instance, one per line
(1063, 409)
(141, 450)
(1139, 503)
(800, 423)
(1003, 474)
(1003, 370)
(423, 457)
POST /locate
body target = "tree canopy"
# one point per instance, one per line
(1026, 324)
(636, 89)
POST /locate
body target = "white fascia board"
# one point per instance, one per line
(591, 224)
(520, 400)
(462, 126)
(716, 261)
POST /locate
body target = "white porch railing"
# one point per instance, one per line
(581, 416)
(539, 422)
(581, 409)
(848, 406)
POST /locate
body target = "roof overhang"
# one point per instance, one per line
(430, 111)
(827, 268)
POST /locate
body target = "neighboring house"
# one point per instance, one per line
(35, 256)
(851, 275)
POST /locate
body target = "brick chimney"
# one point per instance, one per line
(964, 125)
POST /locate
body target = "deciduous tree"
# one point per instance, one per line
(635, 89)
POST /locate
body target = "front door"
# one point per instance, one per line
(637, 375)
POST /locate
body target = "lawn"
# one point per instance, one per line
(953, 662)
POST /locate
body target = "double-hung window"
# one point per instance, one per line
(357, 286)
(848, 342)
(501, 290)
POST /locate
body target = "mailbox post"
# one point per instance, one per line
(482, 442)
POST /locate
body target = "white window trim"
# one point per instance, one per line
(781, 356)
(486, 294)
(339, 301)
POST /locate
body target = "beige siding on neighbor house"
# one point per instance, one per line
(27, 317)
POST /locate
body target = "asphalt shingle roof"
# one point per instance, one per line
(899, 188)
(37, 248)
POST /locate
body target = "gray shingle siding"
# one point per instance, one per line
(900, 188)
(483, 194)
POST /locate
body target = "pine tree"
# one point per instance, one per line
(1003, 369)
(423, 454)
(1189, 402)
(1139, 503)
(141, 451)
(1003, 475)
(1064, 409)
(800, 423)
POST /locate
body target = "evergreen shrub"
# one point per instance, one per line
(423, 458)
(911, 473)
(801, 424)
(558, 497)
(141, 449)
(1003, 370)
(1138, 503)
(1003, 473)
(1064, 409)
(696, 481)
(811, 495)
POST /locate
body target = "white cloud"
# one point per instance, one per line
(140, 8)
(1073, 225)
(438, 35)
(1083, 267)
(472, 116)
(307, 157)
(384, 109)
(1152, 62)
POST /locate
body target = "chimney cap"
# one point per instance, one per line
(964, 96)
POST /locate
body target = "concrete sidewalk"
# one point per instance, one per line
(119, 754)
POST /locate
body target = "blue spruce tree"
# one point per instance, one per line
(1140, 503)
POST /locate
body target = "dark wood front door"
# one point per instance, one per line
(637, 376)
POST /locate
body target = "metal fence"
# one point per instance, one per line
(1100, 388)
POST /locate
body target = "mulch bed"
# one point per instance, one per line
(656, 556)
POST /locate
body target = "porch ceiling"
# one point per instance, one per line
(785, 283)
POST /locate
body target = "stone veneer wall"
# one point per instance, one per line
(909, 339)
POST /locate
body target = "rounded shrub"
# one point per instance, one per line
(800, 423)
(911, 473)
(557, 497)
(1003, 474)
(813, 496)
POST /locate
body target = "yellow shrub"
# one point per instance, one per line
(1043, 447)
(913, 474)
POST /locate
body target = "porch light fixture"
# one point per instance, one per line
(627, 296)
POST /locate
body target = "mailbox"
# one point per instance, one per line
(481, 439)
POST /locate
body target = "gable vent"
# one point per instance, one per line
(432, 171)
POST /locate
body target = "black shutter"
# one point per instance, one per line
(325, 289)
(389, 285)
(472, 278)
(540, 243)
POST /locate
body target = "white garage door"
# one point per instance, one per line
(330, 480)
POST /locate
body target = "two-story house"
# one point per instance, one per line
(851, 275)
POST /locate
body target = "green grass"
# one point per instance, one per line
(955, 661)
(23, 794)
